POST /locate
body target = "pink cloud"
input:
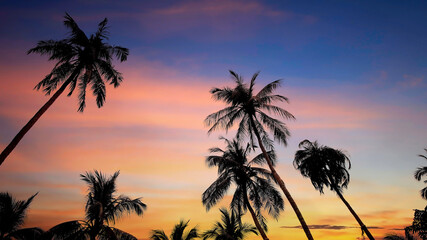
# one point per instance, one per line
(410, 81)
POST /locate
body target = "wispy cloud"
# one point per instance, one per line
(330, 227)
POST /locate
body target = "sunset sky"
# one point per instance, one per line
(355, 73)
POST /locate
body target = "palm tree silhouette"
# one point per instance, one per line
(326, 167)
(230, 227)
(12, 216)
(419, 173)
(81, 61)
(253, 184)
(249, 109)
(102, 209)
(177, 233)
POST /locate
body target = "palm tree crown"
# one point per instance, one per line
(324, 166)
(178, 233)
(81, 61)
(421, 172)
(249, 108)
(85, 60)
(103, 208)
(230, 227)
(253, 183)
(12, 216)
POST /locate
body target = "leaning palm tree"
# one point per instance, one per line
(230, 227)
(177, 233)
(12, 216)
(253, 183)
(419, 173)
(103, 208)
(326, 167)
(81, 61)
(249, 109)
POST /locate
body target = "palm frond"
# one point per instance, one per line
(158, 235)
(27, 234)
(216, 190)
(77, 36)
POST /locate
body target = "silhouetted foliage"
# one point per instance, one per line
(12, 216)
(103, 208)
(421, 172)
(81, 62)
(178, 233)
(253, 184)
(230, 227)
(249, 109)
(326, 167)
(419, 224)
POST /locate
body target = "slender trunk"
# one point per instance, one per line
(34, 119)
(282, 184)
(257, 224)
(364, 228)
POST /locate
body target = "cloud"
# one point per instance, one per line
(410, 81)
(329, 227)
(216, 20)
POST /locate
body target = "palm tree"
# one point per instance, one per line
(177, 233)
(326, 167)
(253, 184)
(12, 216)
(102, 209)
(230, 228)
(81, 61)
(249, 109)
(419, 173)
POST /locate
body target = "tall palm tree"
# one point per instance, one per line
(249, 109)
(419, 173)
(12, 216)
(326, 167)
(230, 227)
(103, 208)
(81, 61)
(177, 233)
(253, 183)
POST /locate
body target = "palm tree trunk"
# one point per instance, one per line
(257, 224)
(282, 184)
(34, 119)
(364, 228)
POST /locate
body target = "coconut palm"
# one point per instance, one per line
(81, 61)
(12, 216)
(177, 233)
(103, 208)
(253, 183)
(419, 173)
(230, 227)
(249, 109)
(326, 167)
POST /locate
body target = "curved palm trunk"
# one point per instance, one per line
(364, 228)
(282, 184)
(257, 224)
(34, 119)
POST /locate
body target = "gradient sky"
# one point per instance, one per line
(355, 73)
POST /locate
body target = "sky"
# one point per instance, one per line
(354, 71)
